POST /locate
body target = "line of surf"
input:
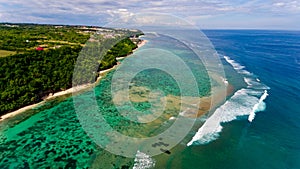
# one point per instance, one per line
(245, 102)
(257, 106)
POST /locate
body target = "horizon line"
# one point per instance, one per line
(89, 25)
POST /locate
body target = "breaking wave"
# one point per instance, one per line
(260, 106)
(143, 161)
(244, 102)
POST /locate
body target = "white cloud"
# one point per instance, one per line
(279, 4)
(287, 6)
(121, 14)
(107, 10)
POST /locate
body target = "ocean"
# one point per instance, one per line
(269, 62)
(257, 126)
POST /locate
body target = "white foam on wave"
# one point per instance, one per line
(260, 106)
(240, 104)
(249, 78)
(143, 161)
(255, 84)
(244, 102)
(251, 82)
(248, 81)
(239, 68)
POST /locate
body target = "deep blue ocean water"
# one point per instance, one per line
(272, 139)
(267, 62)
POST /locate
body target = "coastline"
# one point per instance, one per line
(142, 43)
(67, 91)
(207, 103)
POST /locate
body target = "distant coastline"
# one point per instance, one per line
(67, 91)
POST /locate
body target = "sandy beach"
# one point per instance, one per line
(142, 43)
(65, 92)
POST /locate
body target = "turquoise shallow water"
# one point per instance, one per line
(53, 137)
(263, 60)
(272, 139)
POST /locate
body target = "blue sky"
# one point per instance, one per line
(206, 14)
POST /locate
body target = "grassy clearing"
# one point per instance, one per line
(58, 41)
(4, 53)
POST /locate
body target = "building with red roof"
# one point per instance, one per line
(39, 48)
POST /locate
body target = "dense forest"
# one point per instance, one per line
(28, 75)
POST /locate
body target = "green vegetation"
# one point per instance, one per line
(27, 37)
(121, 49)
(28, 75)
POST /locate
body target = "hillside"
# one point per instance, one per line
(37, 60)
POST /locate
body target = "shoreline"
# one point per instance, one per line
(142, 43)
(67, 91)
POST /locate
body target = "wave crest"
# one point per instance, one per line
(244, 102)
(260, 106)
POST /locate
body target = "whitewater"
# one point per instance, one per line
(244, 102)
